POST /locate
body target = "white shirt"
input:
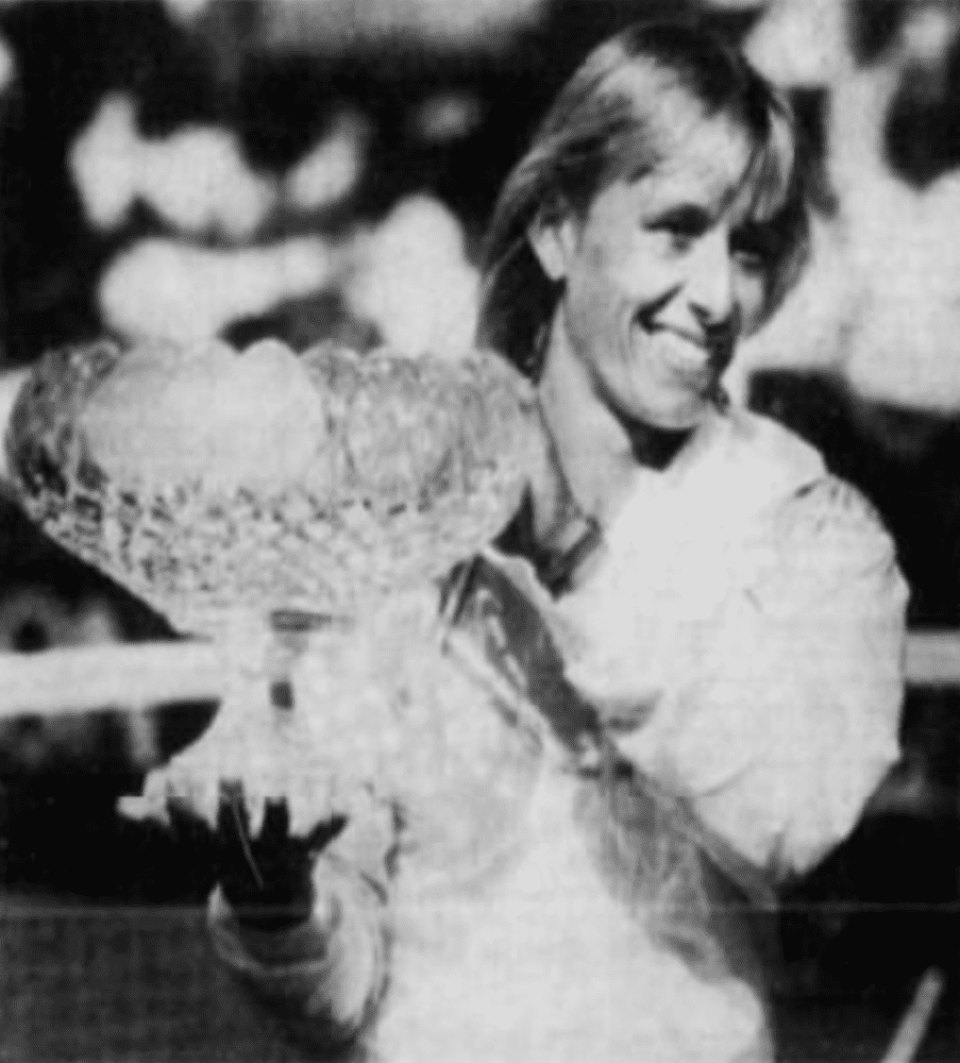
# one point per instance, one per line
(750, 607)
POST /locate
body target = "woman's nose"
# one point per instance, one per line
(709, 281)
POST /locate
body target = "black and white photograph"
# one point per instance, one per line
(479, 531)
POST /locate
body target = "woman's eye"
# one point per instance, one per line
(750, 248)
(681, 227)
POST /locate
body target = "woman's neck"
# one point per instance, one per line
(600, 452)
(653, 447)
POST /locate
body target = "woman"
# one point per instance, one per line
(730, 619)
(657, 218)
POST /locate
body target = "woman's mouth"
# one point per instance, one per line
(697, 360)
(687, 361)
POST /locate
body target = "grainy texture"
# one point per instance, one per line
(419, 463)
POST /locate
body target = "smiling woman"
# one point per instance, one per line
(656, 218)
(696, 656)
(740, 628)
(731, 614)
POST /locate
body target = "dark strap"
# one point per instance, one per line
(482, 601)
(557, 565)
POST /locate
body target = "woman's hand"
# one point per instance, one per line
(310, 943)
(266, 878)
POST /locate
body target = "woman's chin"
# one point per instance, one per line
(669, 417)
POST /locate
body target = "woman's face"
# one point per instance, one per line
(661, 275)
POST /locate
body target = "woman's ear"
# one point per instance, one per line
(553, 240)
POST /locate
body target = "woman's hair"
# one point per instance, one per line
(616, 118)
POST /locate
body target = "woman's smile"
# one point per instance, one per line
(680, 357)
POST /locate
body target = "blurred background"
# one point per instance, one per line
(248, 168)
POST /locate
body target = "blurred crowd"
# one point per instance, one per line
(247, 168)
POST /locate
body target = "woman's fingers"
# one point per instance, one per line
(233, 819)
(324, 833)
(276, 821)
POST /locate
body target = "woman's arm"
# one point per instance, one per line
(326, 975)
(301, 922)
(789, 716)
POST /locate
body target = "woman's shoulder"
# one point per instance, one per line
(749, 463)
(816, 503)
(833, 523)
(760, 441)
(820, 522)
(830, 544)
(831, 505)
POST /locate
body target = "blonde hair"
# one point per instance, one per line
(615, 118)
